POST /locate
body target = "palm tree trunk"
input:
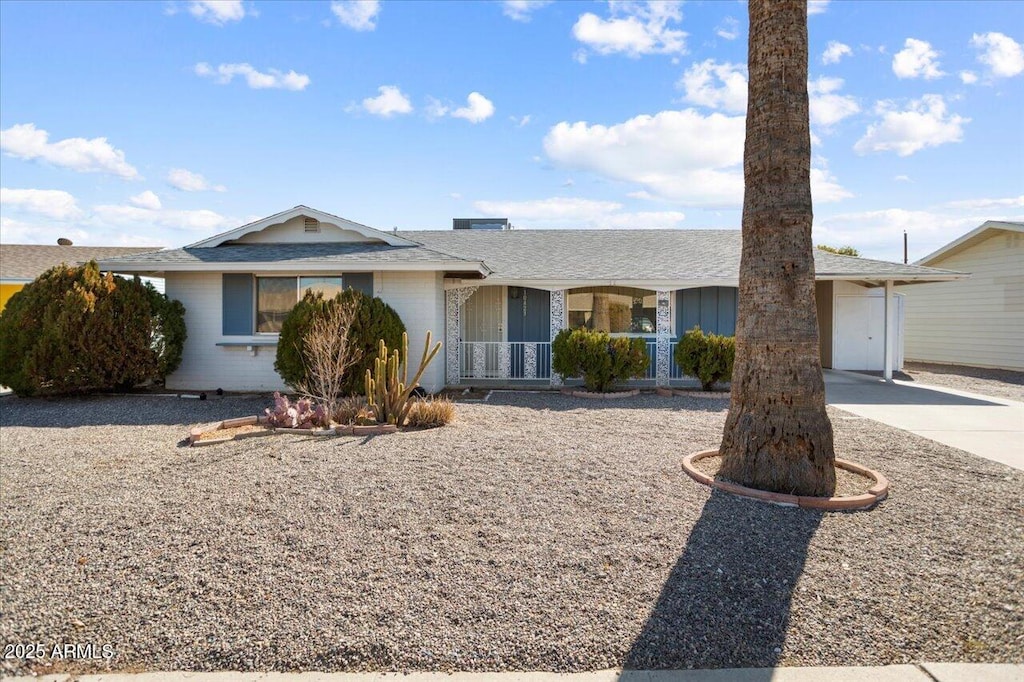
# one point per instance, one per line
(778, 436)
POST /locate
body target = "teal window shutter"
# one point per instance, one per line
(360, 281)
(238, 312)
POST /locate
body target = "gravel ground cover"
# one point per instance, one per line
(537, 532)
(999, 383)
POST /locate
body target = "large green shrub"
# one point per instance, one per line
(708, 357)
(75, 330)
(374, 320)
(602, 361)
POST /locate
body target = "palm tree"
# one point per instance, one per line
(778, 436)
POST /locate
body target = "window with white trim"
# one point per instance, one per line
(276, 296)
(616, 310)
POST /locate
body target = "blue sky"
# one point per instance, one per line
(161, 123)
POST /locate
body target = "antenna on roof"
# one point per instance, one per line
(394, 230)
(904, 247)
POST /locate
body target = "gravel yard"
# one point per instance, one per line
(1000, 383)
(537, 532)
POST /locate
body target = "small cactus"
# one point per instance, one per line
(388, 396)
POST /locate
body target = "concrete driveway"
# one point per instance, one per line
(992, 428)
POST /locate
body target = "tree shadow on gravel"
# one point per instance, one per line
(726, 602)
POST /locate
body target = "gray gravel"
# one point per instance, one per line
(538, 532)
(1001, 383)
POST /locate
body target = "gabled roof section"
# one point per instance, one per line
(278, 218)
(970, 239)
(25, 262)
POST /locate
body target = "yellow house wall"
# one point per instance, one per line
(6, 291)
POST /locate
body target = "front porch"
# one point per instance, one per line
(500, 335)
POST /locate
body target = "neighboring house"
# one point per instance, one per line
(980, 321)
(496, 297)
(22, 263)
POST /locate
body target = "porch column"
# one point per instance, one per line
(663, 338)
(453, 300)
(557, 324)
(890, 327)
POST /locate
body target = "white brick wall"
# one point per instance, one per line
(418, 297)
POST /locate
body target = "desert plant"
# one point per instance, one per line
(327, 354)
(429, 413)
(75, 329)
(841, 250)
(708, 357)
(602, 361)
(348, 410)
(389, 397)
(302, 414)
(372, 320)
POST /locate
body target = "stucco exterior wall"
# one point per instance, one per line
(978, 321)
(416, 296)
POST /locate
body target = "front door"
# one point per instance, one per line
(483, 330)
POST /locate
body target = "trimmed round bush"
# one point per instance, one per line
(374, 320)
(708, 357)
(601, 361)
(75, 330)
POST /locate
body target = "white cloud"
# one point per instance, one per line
(988, 204)
(217, 12)
(147, 199)
(917, 59)
(521, 121)
(389, 102)
(729, 29)
(581, 213)
(435, 108)
(825, 188)
(835, 51)
(478, 108)
(828, 107)
(25, 141)
(139, 218)
(187, 181)
(455, 195)
(968, 77)
(681, 156)
(879, 234)
(522, 10)
(1000, 53)
(902, 178)
(633, 29)
(817, 7)
(359, 15)
(257, 80)
(50, 203)
(925, 123)
(678, 156)
(715, 85)
(31, 232)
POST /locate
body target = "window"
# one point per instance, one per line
(617, 310)
(276, 296)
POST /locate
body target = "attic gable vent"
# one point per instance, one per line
(312, 225)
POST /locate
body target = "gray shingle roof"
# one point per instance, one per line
(538, 255)
(342, 253)
(28, 261)
(631, 254)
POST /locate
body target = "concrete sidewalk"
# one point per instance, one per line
(992, 428)
(924, 672)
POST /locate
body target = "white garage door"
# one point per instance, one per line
(859, 333)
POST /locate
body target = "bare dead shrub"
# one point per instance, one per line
(328, 355)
